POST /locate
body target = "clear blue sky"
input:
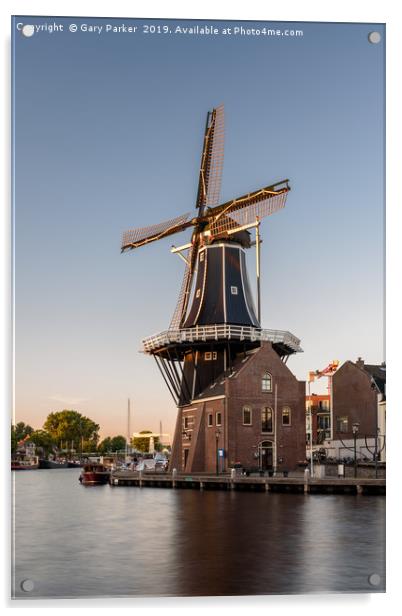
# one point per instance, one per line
(108, 136)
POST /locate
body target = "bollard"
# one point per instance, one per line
(174, 475)
(140, 476)
(306, 480)
(232, 478)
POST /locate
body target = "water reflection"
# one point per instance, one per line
(103, 541)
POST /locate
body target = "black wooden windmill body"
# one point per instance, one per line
(215, 319)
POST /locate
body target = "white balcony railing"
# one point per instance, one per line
(220, 332)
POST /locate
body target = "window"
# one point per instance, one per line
(185, 422)
(233, 290)
(246, 415)
(342, 424)
(266, 382)
(219, 419)
(266, 419)
(202, 254)
(286, 416)
(198, 293)
(210, 420)
(208, 356)
(323, 422)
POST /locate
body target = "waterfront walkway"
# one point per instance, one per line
(200, 481)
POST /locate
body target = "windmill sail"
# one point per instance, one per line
(185, 290)
(134, 238)
(209, 188)
(209, 184)
(246, 209)
(216, 154)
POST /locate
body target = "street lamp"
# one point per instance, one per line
(217, 435)
(355, 431)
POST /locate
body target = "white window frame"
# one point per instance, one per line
(264, 379)
(216, 418)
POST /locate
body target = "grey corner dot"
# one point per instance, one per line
(374, 579)
(374, 37)
(28, 30)
(27, 585)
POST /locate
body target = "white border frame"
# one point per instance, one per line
(291, 10)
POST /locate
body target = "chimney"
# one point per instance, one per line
(360, 362)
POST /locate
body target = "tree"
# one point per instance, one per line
(118, 443)
(22, 430)
(43, 440)
(142, 444)
(70, 426)
(18, 433)
(105, 445)
(109, 445)
(14, 440)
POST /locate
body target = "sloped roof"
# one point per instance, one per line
(378, 373)
(217, 388)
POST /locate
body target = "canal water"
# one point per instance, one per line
(77, 541)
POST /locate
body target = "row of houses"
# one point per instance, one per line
(354, 409)
(258, 417)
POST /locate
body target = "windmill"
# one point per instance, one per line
(215, 319)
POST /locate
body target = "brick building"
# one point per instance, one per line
(255, 416)
(358, 400)
(321, 418)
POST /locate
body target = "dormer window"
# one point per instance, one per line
(198, 293)
(233, 290)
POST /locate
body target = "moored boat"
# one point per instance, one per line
(75, 464)
(94, 474)
(25, 464)
(53, 463)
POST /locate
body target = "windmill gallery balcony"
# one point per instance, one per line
(283, 340)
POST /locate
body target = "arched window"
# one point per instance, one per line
(266, 419)
(247, 417)
(286, 416)
(266, 382)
